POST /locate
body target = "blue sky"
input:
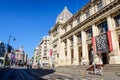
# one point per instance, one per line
(29, 20)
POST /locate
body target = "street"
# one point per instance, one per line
(34, 74)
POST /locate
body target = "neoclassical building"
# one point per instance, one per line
(55, 40)
(92, 35)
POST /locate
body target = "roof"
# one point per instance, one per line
(64, 15)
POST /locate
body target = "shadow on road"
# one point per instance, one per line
(36, 73)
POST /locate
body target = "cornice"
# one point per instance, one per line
(55, 26)
(92, 17)
(77, 14)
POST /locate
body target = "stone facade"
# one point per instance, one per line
(42, 52)
(73, 41)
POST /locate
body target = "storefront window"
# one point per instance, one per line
(117, 20)
(103, 27)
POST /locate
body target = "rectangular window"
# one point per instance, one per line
(71, 40)
(57, 55)
(65, 29)
(99, 5)
(78, 20)
(65, 44)
(79, 37)
(65, 53)
(117, 20)
(71, 26)
(87, 14)
(89, 33)
(103, 27)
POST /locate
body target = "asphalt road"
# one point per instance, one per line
(34, 74)
(18, 74)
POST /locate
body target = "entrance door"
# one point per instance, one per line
(104, 58)
(80, 53)
(90, 55)
(72, 56)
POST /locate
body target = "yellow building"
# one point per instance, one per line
(95, 26)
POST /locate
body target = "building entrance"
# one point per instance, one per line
(79, 54)
(90, 54)
(72, 56)
(105, 58)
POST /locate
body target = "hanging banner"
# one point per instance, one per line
(94, 44)
(110, 40)
(102, 45)
(50, 52)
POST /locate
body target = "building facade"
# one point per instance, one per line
(2, 52)
(55, 41)
(92, 35)
(42, 53)
(36, 53)
(20, 56)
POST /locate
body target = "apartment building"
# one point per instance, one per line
(42, 52)
(92, 35)
(36, 53)
(20, 56)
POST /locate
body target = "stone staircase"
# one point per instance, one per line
(72, 69)
(82, 69)
(111, 68)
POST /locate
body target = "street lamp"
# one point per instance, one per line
(8, 48)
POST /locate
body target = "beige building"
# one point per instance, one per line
(20, 55)
(42, 52)
(96, 26)
(36, 54)
(55, 41)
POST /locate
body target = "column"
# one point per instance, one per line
(84, 49)
(76, 55)
(114, 55)
(68, 52)
(95, 33)
(113, 33)
(94, 30)
(62, 53)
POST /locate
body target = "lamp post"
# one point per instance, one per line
(7, 50)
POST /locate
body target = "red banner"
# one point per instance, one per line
(110, 40)
(50, 52)
(94, 44)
